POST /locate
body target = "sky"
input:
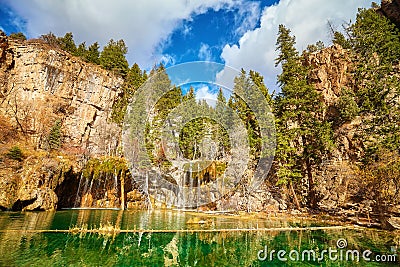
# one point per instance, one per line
(236, 33)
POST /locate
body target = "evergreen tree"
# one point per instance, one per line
(15, 153)
(81, 51)
(67, 43)
(92, 55)
(133, 80)
(303, 135)
(221, 134)
(113, 57)
(18, 35)
(375, 47)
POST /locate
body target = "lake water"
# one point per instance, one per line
(165, 238)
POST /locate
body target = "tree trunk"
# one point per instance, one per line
(311, 189)
(294, 195)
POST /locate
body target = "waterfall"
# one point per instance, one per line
(77, 192)
(147, 191)
(198, 192)
(191, 181)
(115, 181)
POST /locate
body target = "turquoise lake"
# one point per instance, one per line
(165, 238)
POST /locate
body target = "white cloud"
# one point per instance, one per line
(186, 29)
(205, 52)
(307, 20)
(247, 17)
(205, 93)
(145, 25)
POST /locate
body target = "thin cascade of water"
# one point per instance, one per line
(115, 181)
(191, 181)
(198, 192)
(150, 206)
(77, 192)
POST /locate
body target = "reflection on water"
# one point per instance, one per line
(22, 248)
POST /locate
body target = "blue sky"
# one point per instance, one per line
(238, 33)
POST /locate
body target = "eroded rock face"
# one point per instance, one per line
(330, 71)
(41, 85)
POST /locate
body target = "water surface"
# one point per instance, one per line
(26, 241)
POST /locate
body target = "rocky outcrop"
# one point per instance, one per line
(41, 85)
(330, 71)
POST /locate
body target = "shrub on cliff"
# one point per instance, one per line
(347, 106)
(55, 135)
(15, 153)
(18, 35)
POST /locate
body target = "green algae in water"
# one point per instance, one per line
(19, 248)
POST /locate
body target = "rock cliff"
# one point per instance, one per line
(42, 87)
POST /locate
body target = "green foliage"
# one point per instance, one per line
(55, 135)
(67, 43)
(347, 106)
(113, 57)
(92, 54)
(244, 86)
(315, 47)
(338, 38)
(375, 46)
(99, 168)
(303, 136)
(372, 34)
(15, 153)
(133, 80)
(81, 51)
(18, 35)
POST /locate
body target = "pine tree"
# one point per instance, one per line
(93, 54)
(113, 57)
(375, 47)
(133, 80)
(303, 136)
(81, 51)
(15, 153)
(67, 43)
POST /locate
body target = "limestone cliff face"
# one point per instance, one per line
(330, 72)
(40, 85)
